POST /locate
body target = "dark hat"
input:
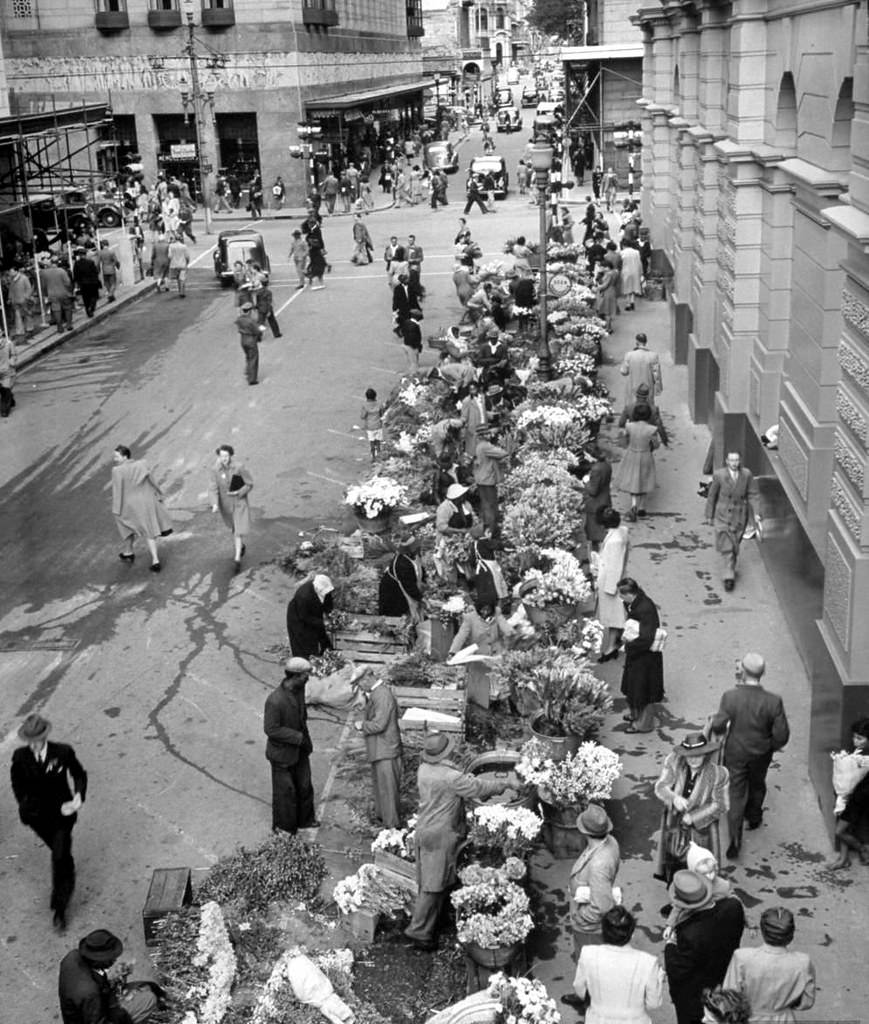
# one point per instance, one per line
(438, 746)
(695, 744)
(594, 821)
(101, 948)
(643, 389)
(690, 891)
(34, 727)
(777, 926)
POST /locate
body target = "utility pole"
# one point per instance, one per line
(204, 169)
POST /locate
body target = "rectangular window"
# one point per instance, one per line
(414, 18)
(216, 5)
(111, 6)
(164, 5)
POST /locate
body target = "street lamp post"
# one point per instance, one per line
(541, 162)
(197, 114)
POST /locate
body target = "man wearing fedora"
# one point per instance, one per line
(592, 878)
(250, 333)
(490, 462)
(379, 726)
(709, 931)
(85, 992)
(50, 786)
(288, 750)
(440, 829)
(757, 727)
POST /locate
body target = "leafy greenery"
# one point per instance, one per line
(283, 868)
(560, 18)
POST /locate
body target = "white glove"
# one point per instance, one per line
(71, 806)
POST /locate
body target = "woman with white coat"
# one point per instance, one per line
(611, 564)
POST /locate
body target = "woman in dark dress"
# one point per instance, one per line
(316, 251)
(597, 497)
(401, 583)
(488, 580)
(643, 676)
(306, 610)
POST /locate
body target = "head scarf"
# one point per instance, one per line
(322, 586)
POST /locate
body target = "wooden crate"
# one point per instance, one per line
(367, 647)
(170, 889)
(363, 924)
(448, 702)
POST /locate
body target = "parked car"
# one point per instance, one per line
(529, 96)
(491, 172)
(508, 119)
(55, 212)
(238, 245)
(441, 156)
(504, 98)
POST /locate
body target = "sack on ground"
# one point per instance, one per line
(334, 691)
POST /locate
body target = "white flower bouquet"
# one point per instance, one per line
(398, 841)
(563, 582)
(524, 311)
(375, 496)
(591, 637)
(593, 407)
(408, 443)
(491, 910)
(214, 952)
(578, 780)
(411, 392)
(494, 268)
(523, 1001)
(556, 425)
(557, 317)
(371, 889)
(580, 365)
(511, 831)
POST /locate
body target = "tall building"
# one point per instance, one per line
(352, 66)
(757, 194)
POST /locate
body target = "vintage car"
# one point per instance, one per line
(491, 172)
(441, 156)
(530, 96)
(504, 98)
(508, 119)
(238, 245)
(74, 209)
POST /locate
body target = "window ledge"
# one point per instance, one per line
(218, 17)
(112, 21)
(164, 20)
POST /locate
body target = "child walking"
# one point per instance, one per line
(372, 422)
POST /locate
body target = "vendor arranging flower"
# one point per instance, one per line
(376, 497)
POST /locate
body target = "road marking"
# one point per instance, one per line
(292, 298)
(342, 433)
(329, 479)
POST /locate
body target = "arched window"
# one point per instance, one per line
(786, 114)
(840, 140)
(499, 17)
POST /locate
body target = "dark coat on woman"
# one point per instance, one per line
(699, 957)
(391, 597)
(597, 497)
(305, 626)
(643, 677)
(85, 994)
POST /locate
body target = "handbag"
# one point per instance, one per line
(236, 483)
(677, 839)
(660, 641)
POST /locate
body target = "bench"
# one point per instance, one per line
(170, 889)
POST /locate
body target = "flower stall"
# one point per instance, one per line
(375, 501)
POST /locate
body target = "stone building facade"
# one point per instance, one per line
(756, 171)
(352, 65)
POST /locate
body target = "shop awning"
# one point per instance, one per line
(618, 51)
(358, 99)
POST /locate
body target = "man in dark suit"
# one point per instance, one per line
(288, 750)
(704, 943)
(249, 332)
(412, 338)
(758, 728)
(50, 786)
(732, 498)
(405, 297)
(643, 676)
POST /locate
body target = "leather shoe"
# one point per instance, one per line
(59, 920)
(571, 999)
(732, 851)
(154, 567)
(608, 657)
(752, 825)
(728, 584)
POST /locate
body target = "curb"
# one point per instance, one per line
(43, 346)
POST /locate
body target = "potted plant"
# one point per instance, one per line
(522, 1001)
(493, 916)
(374, 501)
(557, 588)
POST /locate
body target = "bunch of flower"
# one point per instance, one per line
(524, 311)
(491, 910)
(509, 830)
(545, 516)
(557, 317)
(579, 779)
(214, 951)
(374, 496)
(408, 443)
(557, 425)
(564, 251)
(563, 582)
(495, 268)
(593, 407)
(327, 663)
(454, 548)
(452, 609)
(580, 365)
(594, 327)
(370, 889)
(399, 841)
(591, 637)
(523, 1001)
(540, 468)
(580, 344)
(411, 392)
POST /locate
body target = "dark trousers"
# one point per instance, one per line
(292, 795)
(61, 313)
(270, 319)
(488, 494)
(427, 910)
(747, 793)
(56, 833)
(478, 201)
(386, 782)
(89, 296)
(438, 197)
(7, 401)
(251, 361)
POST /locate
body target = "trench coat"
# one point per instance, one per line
(775, 981)
(729, 503)
(643, 676)
(622, 983)
(234, 508)
(137, 502)
(596, 867)
(636, 472)
(612, 563)
(597, 496)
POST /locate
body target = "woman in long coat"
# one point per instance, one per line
(630, 284)
(607, 295)
(597, 497)
(306, 609)
(362, 244)
(612, 562)
(400, 591)
(160, 261)
(465, 280)
(230, 485)
(694, 789)
(137, 505)
(636, 471)
(643, 676)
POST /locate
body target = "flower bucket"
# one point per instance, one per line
(559, 746)
(563, 842)
(379, 524)
(497, 763)
(493, 959)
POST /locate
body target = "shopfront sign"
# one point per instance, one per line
(559, 285)
(353, 115)
(183, 151)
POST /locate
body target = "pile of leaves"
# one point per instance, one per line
(283, 869)
(414, 670)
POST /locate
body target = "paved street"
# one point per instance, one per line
(159, 681)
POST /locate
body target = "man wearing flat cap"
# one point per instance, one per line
(440, 829)
(288, 750)
(50, 786)
(250, 331)
(758, 727)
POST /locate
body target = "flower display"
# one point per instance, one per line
(408, 443)
(591, 637)
(491, 910)
(214, 951)
(399, 841)
(578, 780)
(494, 268)
(544, 517)
(370, 889)
(557, 425)
(523, 1001)
(511, 831)
(563, 582)
(524, 311)
(556, 317)
(375, 496)
(269, 1008)
(411, 392)
(580, 365)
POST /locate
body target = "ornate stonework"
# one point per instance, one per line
(852, 465)
(851, 415)
(837, 592)
(794, 460)
(846, 508)
(854, 365)
(855, 312)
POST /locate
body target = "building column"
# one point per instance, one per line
(712, 73)
(682, 220)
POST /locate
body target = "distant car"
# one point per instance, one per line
(504, 98)
(529, 96)
(441, 156)
(546, 108)
(238, 245)
(61, 211)
(491, 168)
(508, 119)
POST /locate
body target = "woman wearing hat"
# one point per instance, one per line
(454, 518)
(306, 611)
(775, 980)
(440, 830)
(592, 877)
(636, 472)
(230, 485)
(400, 590)
(693, 787)
(137, 505)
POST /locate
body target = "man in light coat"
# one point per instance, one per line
(732, 498)
(489, 464)
(640, 366)
(440, 829)
(473, 414)
(379, 726)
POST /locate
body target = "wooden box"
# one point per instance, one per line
(448, 702)
(170, 889)
(363, 924)
(367, 647)
(404, 869)
(441, 638)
